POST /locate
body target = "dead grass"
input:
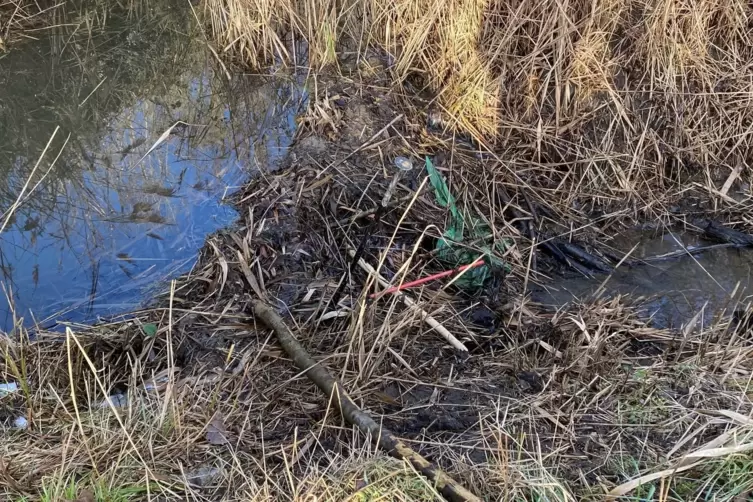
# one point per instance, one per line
(17, 16)
(618, 105)
(203, 405)
(596, 114)
(480, 57)
(117, 415)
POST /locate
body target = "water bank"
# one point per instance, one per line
(193, 398)
(146, 135)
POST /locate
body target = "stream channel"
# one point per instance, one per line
(120, 136)
(672, 291)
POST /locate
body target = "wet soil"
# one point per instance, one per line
(327, 177)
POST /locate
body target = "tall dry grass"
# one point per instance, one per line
(623, 95)
(496, 62)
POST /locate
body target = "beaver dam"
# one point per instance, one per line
(402, 250)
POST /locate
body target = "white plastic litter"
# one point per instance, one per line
(117, 400)
(403, 163)
(8, 388)
(20, 422)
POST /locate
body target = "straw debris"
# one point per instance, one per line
(558, 125)
(568, 405)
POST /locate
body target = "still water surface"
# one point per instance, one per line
(111, 204)
(671, 291)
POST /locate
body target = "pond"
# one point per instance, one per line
(120, 137)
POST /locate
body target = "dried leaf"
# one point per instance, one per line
(203, 475)
(386, 398)
(361, 483)
(216, 432)
(333, 314)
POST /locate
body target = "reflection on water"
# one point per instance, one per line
(106, 213)
(674, 290)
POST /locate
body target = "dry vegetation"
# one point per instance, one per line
(203, 404)
(590, 115)
(619, 101)
(17, 16)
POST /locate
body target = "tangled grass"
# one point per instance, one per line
(193, 399)
(116, 415)
(600, 112)
(623, 106)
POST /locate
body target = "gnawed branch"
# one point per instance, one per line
(447, 486)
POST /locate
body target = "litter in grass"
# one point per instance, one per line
(8, 388)
(464, 229)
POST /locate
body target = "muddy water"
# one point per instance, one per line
(672, 290)
(120, 135)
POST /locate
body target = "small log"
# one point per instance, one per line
(447, 486)
(590, 260)
(721, 233)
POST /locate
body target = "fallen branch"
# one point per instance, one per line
(525, 225)
(591, 261)
(447, 486)
(412, 304)
(721, 233)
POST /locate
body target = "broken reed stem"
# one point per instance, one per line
(447, 486)
(370, 211)
(408, 301)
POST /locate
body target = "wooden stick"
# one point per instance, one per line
(447, 486)
(412, 304)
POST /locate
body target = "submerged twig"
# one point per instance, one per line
(589, 260)
(687, 251)
(447, 486)
(721, 233)
(551, 247)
